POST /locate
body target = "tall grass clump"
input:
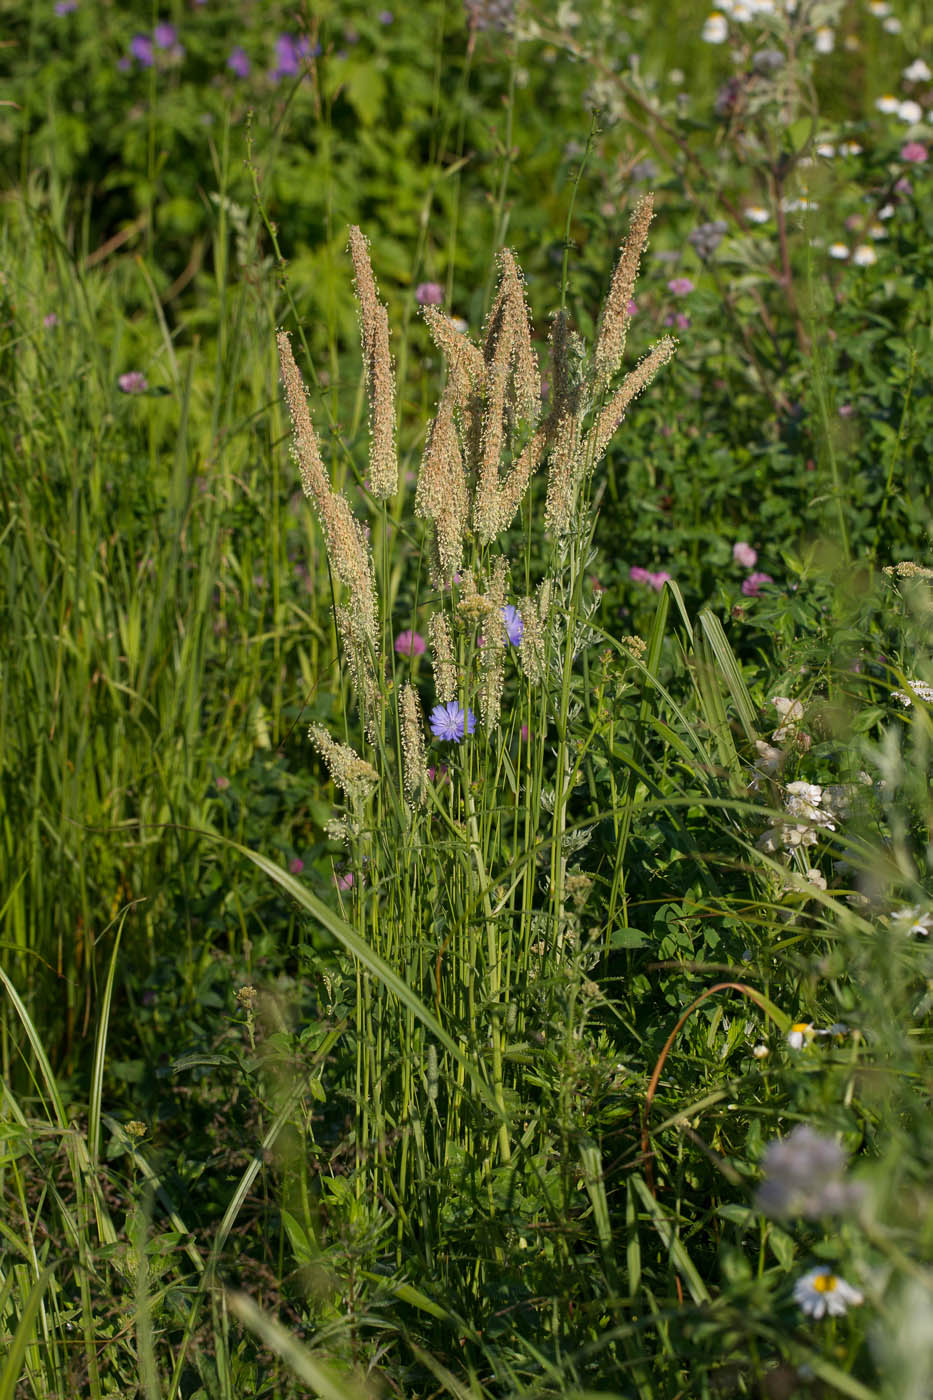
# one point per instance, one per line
(462, 855)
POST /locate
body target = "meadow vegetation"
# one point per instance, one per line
(465, 704)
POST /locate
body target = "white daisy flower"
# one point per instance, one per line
(910, 112)
(824, 40)
(879, 7)
(838, 250)
(715, 30)
(912, 921)
(918, 72)
(850, 148)
(822, 1293)
(826, 149)
(886, 211)
(887, 104)
(800, 1034)
(864, 255)
(891, 25)
(755, 214)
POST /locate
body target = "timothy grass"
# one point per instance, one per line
(423, 1055)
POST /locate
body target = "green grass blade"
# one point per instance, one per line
(320, 1377)
(12, 1367)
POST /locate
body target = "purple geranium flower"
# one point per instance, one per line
(680, 286)
(238, 62)
(751, 586)
(514, 627)
(409, 643)
(165, 35)
(65, 7)
(449, 723)
(133, 382)
(141, 49)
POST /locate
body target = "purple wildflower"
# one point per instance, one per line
(429, 294)
(409, 643)
(514, 627)
(65, 7)
(744, 554)
(239, 63)
(658, 580)
(296, 865)
(386, 17)
(751, 586)
(638, 575)
(680, 286)
(449, 723)
(141, 49)
(50, 320)
(133, 382)
(915, 152)
(165, 35)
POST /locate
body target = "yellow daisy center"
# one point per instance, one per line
(825, 1283)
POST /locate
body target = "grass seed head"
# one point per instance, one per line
(356, 778)
(415, 770)
(441, 494)
(442, 658)
(613, 329)
(380, 376)
(599, 435)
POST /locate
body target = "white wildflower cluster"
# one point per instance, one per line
(919, 690)
(804, 1174)
(904, 108)
(808, 814)
(790, 713)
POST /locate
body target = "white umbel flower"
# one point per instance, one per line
(821, 1293)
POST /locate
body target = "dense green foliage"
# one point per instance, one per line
(476, 1097)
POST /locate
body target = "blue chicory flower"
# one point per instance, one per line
(514, 627)
(447, 722)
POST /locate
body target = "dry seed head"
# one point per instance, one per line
(613, 329)
(635, 646)
(442, 658)
(441, 494)
(531, 651)
(907, 568)
(356, 778)
(413, 749)
(314, 481)
(473, 606)
(380, 376)
(597, 439)
(525, 394)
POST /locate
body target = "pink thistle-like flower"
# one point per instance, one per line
(429, 294)
(658, 580)
(845, 410)
(133, 382)
(751, 586)
(50, 320)
(743, 554)
(632, 309)
(296, 865)
(345, 881)
(915, 152)
(680, 286)
(409, 643)
(638, 575)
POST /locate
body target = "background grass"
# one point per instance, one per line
(212, 1195)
